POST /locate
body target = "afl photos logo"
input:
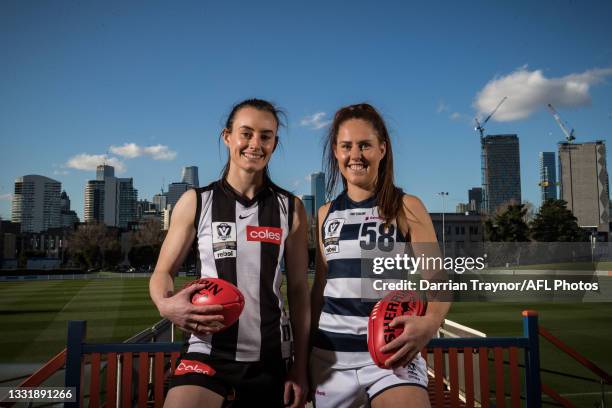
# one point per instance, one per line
(273, 235)
(224, 239)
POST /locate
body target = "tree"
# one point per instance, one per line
(90, 243)
(112, 254)
(149, 233)
(555, 223)
(508, 225)
(144, 255)
(146, 243)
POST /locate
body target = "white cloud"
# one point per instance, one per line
(6, 197)
(315, 121)
(132, 150)
(128, 150)
(89, 162)
(160, 152)
(84, 161)
(528, 91)
(455, 116)
(60, 172)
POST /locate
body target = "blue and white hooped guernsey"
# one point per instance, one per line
(348, 229)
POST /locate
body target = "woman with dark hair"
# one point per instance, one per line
(242, 227)
(370, 209)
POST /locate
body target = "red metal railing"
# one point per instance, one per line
(603, 376)
(151, 369)
(136, 372)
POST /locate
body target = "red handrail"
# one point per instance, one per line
(46, 371)
(555, 396)
(575, 355)
(43, 373)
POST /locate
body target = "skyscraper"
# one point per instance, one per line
(36, 203)
(160, 201)
(475, 199)
(126, 202)
(67, 216)
(94, 201)
(317, 189)
(190, 176)
(308, 201)
(548, 176)
(103, 171)
(584, 183)
(175, 191)
(501, 171)
(109, 199)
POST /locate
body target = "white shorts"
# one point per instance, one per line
(356, 387)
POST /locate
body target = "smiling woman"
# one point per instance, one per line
(370, 212)
(251, 136)
(242, 227)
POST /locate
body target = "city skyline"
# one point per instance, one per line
(147, 91)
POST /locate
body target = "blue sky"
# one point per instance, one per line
(79, 78)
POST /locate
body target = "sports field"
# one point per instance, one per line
(33, 315)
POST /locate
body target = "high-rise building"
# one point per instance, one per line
(548, 176)
(175, 191)
(143, 207)
(103, 171)
(308, 201)
(160, 201)
(109, 199)
(462, 208)
(317, 189)
(94, 201)
(190, 176)
(475, 199)
(584, 183)
(501, 171)
(67, 216)
(126, 200)
(36, 203)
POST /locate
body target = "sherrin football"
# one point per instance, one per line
(219, 292)
(394, 304)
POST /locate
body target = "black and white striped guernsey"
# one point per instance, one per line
(349, 229)
(243, 241)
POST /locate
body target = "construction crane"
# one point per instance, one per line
(569, 135)
(483, 163)
(480, 126)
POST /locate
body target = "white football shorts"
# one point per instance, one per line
(356, 387)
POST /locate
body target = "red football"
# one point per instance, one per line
(396, 303)
(220, 292)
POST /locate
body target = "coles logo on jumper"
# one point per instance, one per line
(191, 366)
(272, 235)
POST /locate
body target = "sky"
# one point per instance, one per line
(146, 86)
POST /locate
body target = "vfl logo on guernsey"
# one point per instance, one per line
(331, 238)
(192, 366)
(224, 239)
(272, 235)
(224, 230)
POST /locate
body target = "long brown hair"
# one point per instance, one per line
(259, 104)
(388, 196)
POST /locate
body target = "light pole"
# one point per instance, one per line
(443, 194)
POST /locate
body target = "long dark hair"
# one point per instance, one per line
(388, 196)
(259, 104)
